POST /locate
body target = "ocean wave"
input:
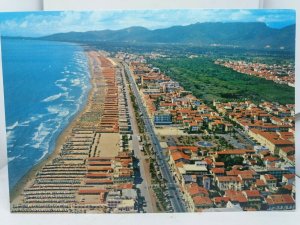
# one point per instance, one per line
(40, 135)
(24, 146)
(17, 124)
(76, 82)
(11, 139)
(58, 109)
(84, 87)
(69, 100)
(64, 88)
(53, 97)
(43, 155)
(9, 134)
(24, 124)
(61, 80)
(36, 117)
(10, 146)
(13, 158)
(11, 127)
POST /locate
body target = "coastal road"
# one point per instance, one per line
(173, 190)
(143, 186)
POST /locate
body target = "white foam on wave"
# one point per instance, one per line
(17, 124)
(9, 134)
(54, 97)
(62, 87)
(13, 126)
(61, 80)
(36, 117)
(25, 123)
(69, 100)
(24, 146)
(58, 109)
(76, 82)
(75, 73)
(43, 155)
(84, 87)
(40, 135)
(12, 158)
(10, 137)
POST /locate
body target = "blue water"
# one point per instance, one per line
(45, 85)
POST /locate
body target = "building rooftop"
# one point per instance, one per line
(280, 199)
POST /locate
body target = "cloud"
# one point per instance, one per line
(44, 23)
(24, 24)
(261, 19)
(240, 14)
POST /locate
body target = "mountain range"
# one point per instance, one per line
(237, 34)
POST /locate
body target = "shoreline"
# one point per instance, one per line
(16, 191)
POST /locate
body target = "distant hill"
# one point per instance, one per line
(245, 35)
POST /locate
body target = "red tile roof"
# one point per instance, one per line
(271, 158)
(269, 177)
(221, 199)
(202, 200)
(251, 193)
(218, 164)
(280, 199)
(228, 179)
(179, 155)
(260, 183)
(273, 137)
(218, 170)
(235, 196)
(195, 189)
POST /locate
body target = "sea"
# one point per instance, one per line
(45, 84)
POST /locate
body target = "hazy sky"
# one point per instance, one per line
(34, 24)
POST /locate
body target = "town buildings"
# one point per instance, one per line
(282, 74)
(259, 176)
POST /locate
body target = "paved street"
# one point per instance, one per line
(143, 185)
(231, 140)
(175, 197)
(245, 136)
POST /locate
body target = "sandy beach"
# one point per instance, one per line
(88, 161)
